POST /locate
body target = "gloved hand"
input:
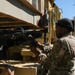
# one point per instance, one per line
(42, 57)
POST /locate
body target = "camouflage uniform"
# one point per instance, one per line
(62, 56)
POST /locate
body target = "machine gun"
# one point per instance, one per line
(19, 35)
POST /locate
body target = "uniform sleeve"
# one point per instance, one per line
(56, 54)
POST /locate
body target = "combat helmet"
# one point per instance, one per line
(66, 23)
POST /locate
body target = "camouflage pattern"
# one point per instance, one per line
(62, 57)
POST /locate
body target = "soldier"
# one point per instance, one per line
(61, 60)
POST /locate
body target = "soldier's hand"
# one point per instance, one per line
(42, 57)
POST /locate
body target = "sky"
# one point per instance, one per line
(68, 8)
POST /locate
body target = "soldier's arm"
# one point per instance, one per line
(56, 55)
